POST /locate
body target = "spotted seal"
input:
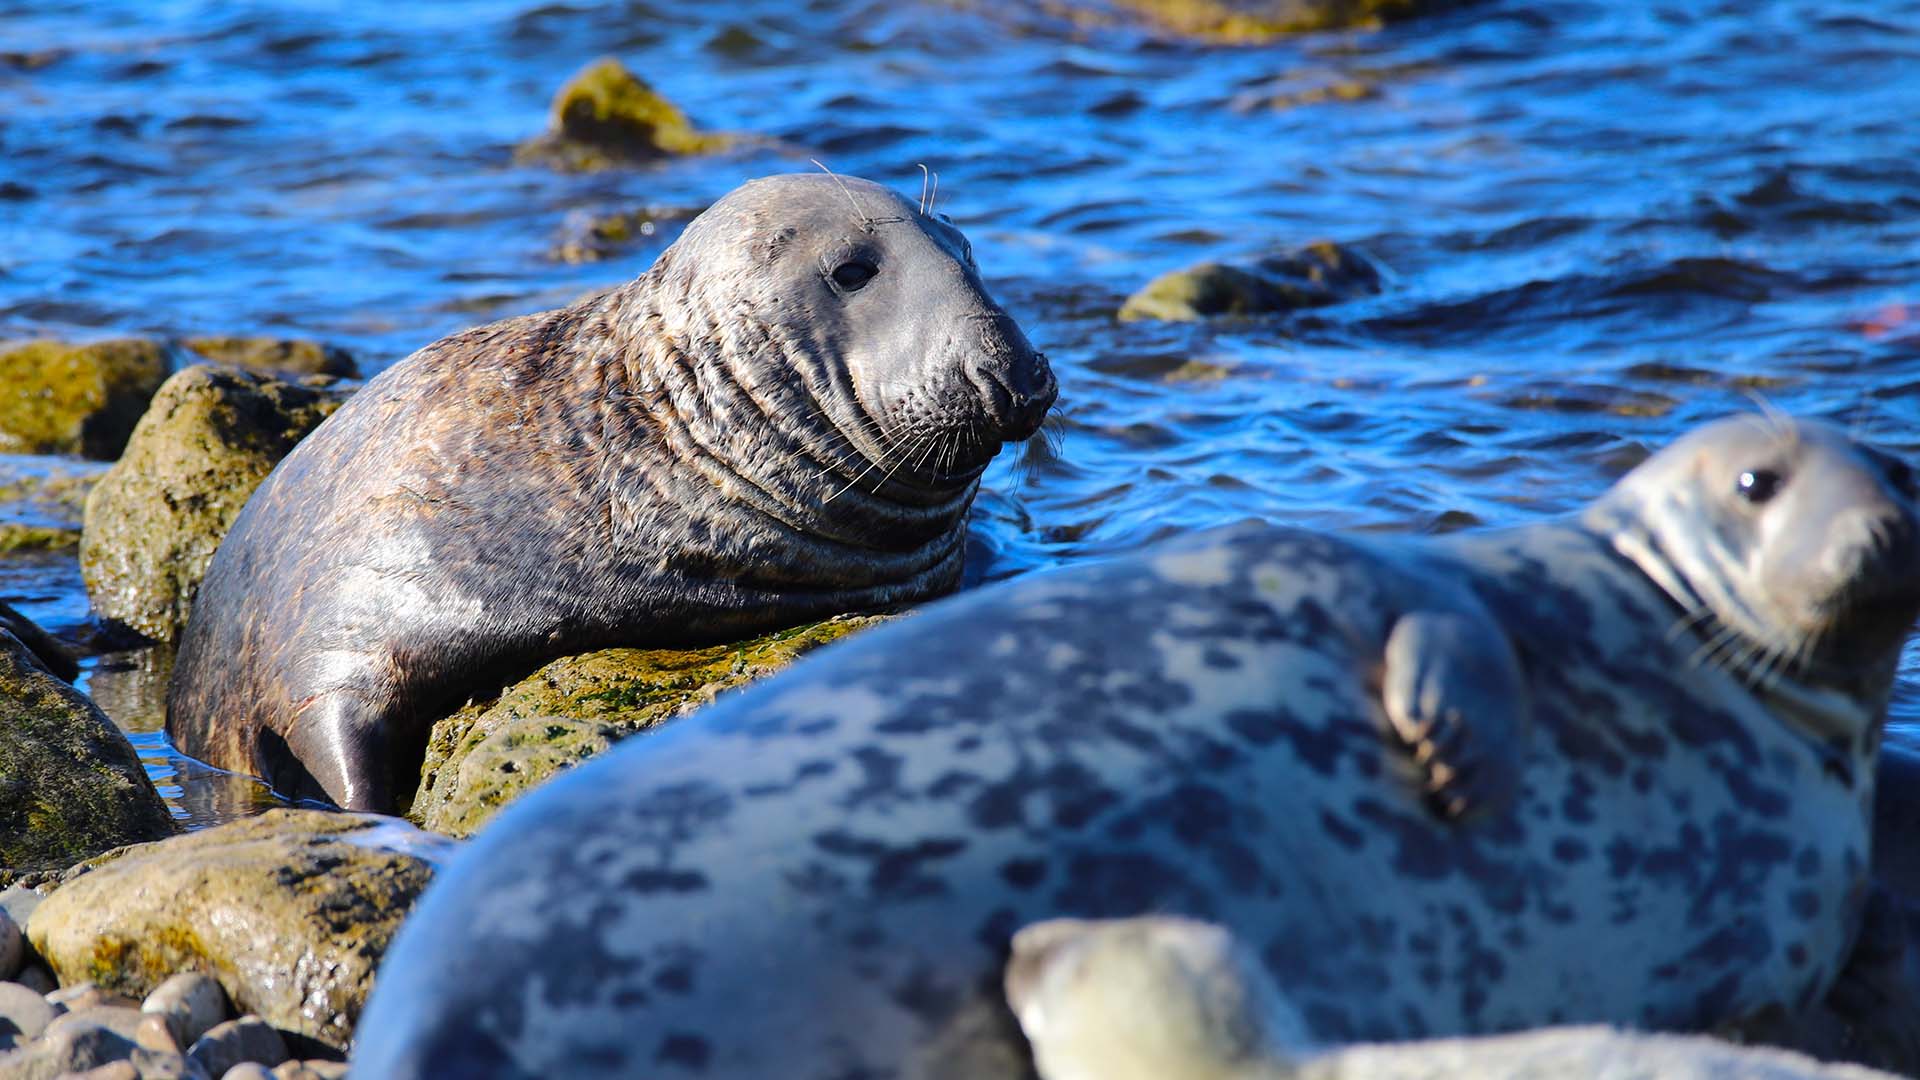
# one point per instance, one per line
(785, 417)
(1164, 998)
(1613, 768)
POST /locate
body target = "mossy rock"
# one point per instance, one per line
(290, 910)
(296, 356)
(154, 521)
(606, 116)
(77, 399)
(487, 754)
(1252, 22)
(71, 785)
(1312, 276)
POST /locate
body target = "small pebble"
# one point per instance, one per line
(87, 996)
(160, 1065)
(119, 1019)
(23, 1014)
(248, 1070)
(117, 1070)
(13, 951)
(246, 1039)
(82, 1047)
(312, 1069)
(192, 1002)
(19, 903)
(156, 1033)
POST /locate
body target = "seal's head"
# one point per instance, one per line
(1153, 998)
(876, 306)
(1793, 550)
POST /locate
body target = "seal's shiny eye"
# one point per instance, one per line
(1758, 485)
(851, 275)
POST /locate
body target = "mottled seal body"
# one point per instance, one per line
(1438, 786)
(786, 417)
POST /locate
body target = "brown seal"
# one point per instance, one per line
(785, 417)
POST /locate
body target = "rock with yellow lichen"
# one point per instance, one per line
(487, 754)
(606, 116)
(57, 398)
(1311, 276)
(290, 911)
(1251, 22)
(154, 521)
(292, 356)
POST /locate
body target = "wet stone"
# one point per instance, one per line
(190, 1004)
(24, 1014)
(1312, 276)
(155, 1033)
(37, 979)
(248, 1039)
(248, 1070)
(122, 1020)
(13, 948)
(86, 995)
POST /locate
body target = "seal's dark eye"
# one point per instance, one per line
(852, 275)
(1758, 485)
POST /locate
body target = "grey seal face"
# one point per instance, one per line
(881, 310)
(1793, 550)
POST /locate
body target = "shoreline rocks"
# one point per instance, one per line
(153, 521)
(71, 785)
(487, 754)
(290, 911)
(606, 116)
(77, 399)
(1311, 276)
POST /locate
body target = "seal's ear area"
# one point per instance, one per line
(1455, 700)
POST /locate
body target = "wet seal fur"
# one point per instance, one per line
(1615, 768)
(785, 418)
(1163, 998)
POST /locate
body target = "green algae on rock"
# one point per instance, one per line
(155, 519)
(1312, 276)
(297, 356)
(76, 399)
(487, 754)
(71, 785)
(291, 911)
(606, 116)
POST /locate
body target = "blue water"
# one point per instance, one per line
(1602, 223)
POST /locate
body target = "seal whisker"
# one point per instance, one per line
(858, 214)
(925, 175)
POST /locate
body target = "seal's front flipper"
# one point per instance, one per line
(1453, 693)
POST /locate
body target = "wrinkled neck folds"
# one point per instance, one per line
(771, 421)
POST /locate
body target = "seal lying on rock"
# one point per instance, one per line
(786, 417)
(1160, 998)
(1616, 768)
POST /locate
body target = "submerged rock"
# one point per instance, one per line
(71, 785)
(606, 116)
(591, 237)
(485, 755)
(297, 356)
(154, 521)
(291, 911)
(1250, 22)
(1311, 276)
(76, 399)
(41, 511)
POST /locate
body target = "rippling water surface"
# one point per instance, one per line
(1603, 223)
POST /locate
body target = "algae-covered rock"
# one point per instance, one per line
(291, 911)
(485, 755)
(71, 785)
(154, 520)
(298, 356)
(607, 116)
(1251, 22)
(76, 399)
(1312, 276)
